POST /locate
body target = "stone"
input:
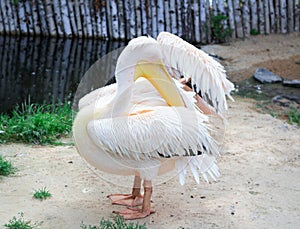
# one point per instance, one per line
(291, 83)
(286, 100)
(265, 76)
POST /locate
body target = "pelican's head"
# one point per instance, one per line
(143, 58)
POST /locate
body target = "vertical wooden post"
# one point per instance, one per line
(35, 18)
(297, 15)
(272, 17)
(167, 16)
(246, 17)
(114, 20)
(254, 19)
(138, 18)
(154, 18)
(290, 15)
(179, 17)
(231, 19)
(144, 18)
(283, 11)
(160, 16)
(267, 16)
(196, 21)
(238, 18)
(203, 25)
(261, 17)
(173, 19)
(66, 18)
(121, 17)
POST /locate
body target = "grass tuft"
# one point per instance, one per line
(42, 194)
(294, 116)
(37, 124)
(19, 223)
(6, 167)
(117, 223)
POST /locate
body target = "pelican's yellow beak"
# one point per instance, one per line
(157, 75)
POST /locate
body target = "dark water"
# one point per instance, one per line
(251, 88)
(46, 69)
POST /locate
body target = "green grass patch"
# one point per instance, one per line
(6, 167)
(37, 124)
(20, 223)
(294, 116)
(42, 194)
(117, 223)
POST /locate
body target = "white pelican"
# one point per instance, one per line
(146, 124)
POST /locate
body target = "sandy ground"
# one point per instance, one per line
(260, 167)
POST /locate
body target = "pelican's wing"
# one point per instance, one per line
(154, 132)
(102, 95)
(206, 74)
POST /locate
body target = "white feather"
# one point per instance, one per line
(207, 74)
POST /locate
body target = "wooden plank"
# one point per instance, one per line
(103, 16)
(71, 9)
(2, 30)
(202, 21)
(196, 21)
(5, 19)
(290, 16)
(15, 18)
(114, 20)
(42, 16)
(121, 17)
(12, 26)
(58, 19)
(173, 19)
(231, 18)
(29, 18)
(283, 16)
(66, 18)
(144, 20)
(297, 15)
(50, 19)
(154, 18)
(253, 15)
(246, 17)
(79, 24)
(267, 16)
(83, 19)
(261, 17)
(222, 11)
(277, 16)
(127, 18)
(272, 16)
(35, 18)
(179, 17)
(209, 35)
(214, 7)
(160, 16)
(132, 21)
(238, 18)
(167, 16)
(138, 18)
(149, 17)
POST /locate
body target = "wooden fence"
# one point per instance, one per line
(125, 19)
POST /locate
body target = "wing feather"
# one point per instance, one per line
(167, 131)
(206, 74)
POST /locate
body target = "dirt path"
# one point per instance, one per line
(278, 53)
(260, 167)
(259, 186)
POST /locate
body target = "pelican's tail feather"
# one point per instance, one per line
(203, 164)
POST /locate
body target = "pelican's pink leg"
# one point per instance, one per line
(132, 213)
(130, 200)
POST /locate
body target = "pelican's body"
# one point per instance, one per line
(146, 124)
